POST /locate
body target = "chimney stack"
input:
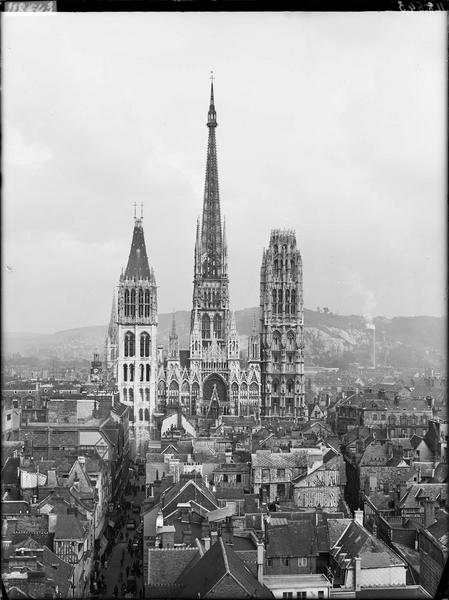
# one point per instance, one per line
(429, 512)
(260, 561)
(206, 543)
(357, 573)
(358, 517)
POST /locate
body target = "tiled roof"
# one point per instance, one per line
(14, 508)
(57, 570)
(229, 493)
(357, 541)
(166, 565)
(336, 528)
(279, 460)
(417, 492)
(295, 539)
(415, 440)
(68, 527)
(178, 489)
(218, 561)
(440, 528)
(9, 472)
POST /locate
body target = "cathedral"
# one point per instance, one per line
(191, 389)
(212, 381)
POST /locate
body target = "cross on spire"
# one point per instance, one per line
(135, 207)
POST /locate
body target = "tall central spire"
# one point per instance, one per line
(211, 233)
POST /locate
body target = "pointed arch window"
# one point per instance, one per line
(279, 301)
(125, 394)
(274, 301)
(147, 372)
(293, 303)
(147, 303)
(217, 326)
(206, 327)
(127, 311)
(290, 341)
(142, 370)
(131, 395)
(147, 414)
(125, 372)
(133, 303)
(140, 302)
(145, 345)
(287, 302)
(129, 344)
(131, 372)
(140, 414)
(147, 394)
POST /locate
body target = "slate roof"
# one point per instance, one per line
(336, 528)
(177, 490)
(68, 527)
(440, 474)
(440, 529)
(137, 266)
(279, 460)
(229, 493)
(298, 538)
(357, 541)
(415, 440)
(218, 561)
(14, 507)
(9, 472)
(57, 570)
(165, 565)
(416, 492)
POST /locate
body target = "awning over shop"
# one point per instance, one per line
(103, 544)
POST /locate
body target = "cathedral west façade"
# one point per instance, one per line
(213, 381)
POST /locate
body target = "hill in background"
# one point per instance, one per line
(331, 340)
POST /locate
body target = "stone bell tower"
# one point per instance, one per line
(136, 340)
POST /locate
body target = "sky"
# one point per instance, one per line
(331, 124)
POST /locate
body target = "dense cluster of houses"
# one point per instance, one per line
(349, 504)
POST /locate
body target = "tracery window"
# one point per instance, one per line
(147, 303)
(144, 345)
(217, 326)
(206, 327)
(148, 372)
(293, 303)
(133, 303)
(131, 372)
(274, 301)
(147, 394)
(147, 414)
(127, 312)
(140, 414)
(279, 301)
(140, 302)
(141, 372)
(125, 372)
(287, 301)
(131, 395)
(129, 344)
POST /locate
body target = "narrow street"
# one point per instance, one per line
(123, 576)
